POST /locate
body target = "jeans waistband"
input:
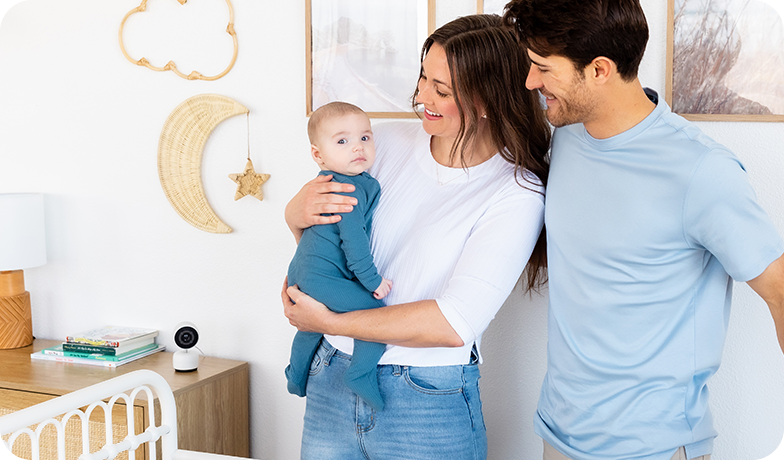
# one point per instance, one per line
(326, 351)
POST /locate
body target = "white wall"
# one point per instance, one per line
(81, 124)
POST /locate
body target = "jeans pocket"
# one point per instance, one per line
(315, 365)
(444, 380)
(320, 359)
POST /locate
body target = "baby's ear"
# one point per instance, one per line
(316, 154)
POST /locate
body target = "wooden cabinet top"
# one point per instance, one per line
(19, 372)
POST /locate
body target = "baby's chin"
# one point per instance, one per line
(349, 172)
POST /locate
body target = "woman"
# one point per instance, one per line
(461, 211)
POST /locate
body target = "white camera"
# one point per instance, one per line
(186, 335)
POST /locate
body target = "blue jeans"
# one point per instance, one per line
(431, 413)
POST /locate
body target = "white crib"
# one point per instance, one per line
(25, 431)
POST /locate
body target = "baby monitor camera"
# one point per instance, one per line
(185, 336)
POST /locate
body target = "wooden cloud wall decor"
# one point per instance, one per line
(179, 157)
(171, 65)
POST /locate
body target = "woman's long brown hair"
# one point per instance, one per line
(488, 67)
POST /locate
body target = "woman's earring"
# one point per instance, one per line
(484, 116)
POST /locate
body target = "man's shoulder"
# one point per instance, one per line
(678, 133)
(673, 128)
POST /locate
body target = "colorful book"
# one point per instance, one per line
(60, 350)
(44, 356)
(125, 347)
(111, 336)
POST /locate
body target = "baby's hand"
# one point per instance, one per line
(383, 289)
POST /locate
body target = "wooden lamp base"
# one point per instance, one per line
(16, 318)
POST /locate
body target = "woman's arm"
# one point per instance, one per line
(416, 324)
(317, 197)
(489, 266)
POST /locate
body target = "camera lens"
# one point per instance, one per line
(186, 337)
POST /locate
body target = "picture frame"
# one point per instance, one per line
(491, 6)
(725, 60)
(366, 53)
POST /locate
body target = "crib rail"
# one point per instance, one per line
(126, 389)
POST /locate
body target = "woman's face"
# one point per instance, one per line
(441, 117)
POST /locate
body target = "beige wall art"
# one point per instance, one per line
(193, 75)
(726, 59)
(179, 157)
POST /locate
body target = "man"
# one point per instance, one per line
(648, 221)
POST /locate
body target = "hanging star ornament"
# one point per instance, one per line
(249, 182)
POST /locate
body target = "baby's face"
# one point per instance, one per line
(345, 144)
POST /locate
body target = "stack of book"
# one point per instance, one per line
(108, 346)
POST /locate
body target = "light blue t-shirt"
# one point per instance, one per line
(644, 232)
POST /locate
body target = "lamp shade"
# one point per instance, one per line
(22, 234)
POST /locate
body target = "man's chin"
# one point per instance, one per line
(554, 120)
(558, 119)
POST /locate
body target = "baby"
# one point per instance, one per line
(333, 263)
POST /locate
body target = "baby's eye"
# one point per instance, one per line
(342, 141)
(365, 138)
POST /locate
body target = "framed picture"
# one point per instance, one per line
(491, 6)
(725, 59)
(366, 53)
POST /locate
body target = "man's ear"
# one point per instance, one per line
(316, 154)
(601, 69)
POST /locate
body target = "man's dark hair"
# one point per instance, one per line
(582, 30)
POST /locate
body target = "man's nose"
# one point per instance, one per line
(533, 80)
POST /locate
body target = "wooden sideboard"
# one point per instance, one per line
(212, 402)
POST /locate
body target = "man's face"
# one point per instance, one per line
(569, 99)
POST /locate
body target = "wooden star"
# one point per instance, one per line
(249, 182)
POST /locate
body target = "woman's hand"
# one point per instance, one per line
(317, 197)
(304, 312)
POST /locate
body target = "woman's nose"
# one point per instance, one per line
(422, 94)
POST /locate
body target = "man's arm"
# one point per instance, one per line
(770, 286)
(317, 197)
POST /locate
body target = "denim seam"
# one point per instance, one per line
(468, 403)
(370, 426)
(328, 357)
(471, 415)
(361, 443)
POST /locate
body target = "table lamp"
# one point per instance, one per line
(22, 245)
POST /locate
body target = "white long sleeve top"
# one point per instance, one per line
(459, 236)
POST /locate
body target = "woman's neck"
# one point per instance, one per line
(481, 150)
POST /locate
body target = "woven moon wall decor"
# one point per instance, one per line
(179, 156)
(171, 65)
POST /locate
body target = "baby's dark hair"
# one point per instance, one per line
(333, 109)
